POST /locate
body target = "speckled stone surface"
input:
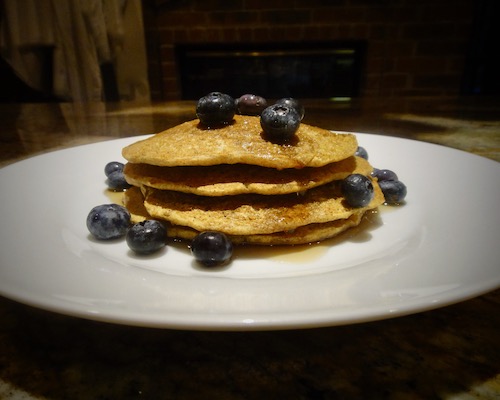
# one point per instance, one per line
(449, 353)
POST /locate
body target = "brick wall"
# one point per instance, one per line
(414, 47)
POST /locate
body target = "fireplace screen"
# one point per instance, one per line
(301, 71)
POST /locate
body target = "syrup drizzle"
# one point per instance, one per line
(115, 197)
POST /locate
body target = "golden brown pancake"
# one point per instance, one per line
(242, 142)
(302, 235)
(232, 180)
(225, 180)
(253, 214)
(311, 233)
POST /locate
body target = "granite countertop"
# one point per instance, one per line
(449, 353)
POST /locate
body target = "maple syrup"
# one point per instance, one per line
(115, 197)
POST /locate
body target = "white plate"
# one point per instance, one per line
(441, 247)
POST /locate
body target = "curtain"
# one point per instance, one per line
(78, 36)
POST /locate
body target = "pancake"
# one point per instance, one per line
(133, 200)
(302, 235)
(311, 233)
(242, 142)
(224, 180)
(232, 180)
(253, 214)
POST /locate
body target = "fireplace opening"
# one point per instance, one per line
(305, 70)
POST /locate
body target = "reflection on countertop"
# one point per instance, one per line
(465, 123)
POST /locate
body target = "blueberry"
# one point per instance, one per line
(116, 181)
(394, 191)
(146, 237)
(112, 167)
(250, 104)
(357, 190)
(291, 102)
(361, 152)
(384, 175)
(108, 221)
(215, 109)
(211, 248)
(279, 122)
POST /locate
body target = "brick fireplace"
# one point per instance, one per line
(404, 47)
(274, 70)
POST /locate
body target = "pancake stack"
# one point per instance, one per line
(232, 180)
